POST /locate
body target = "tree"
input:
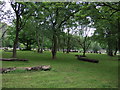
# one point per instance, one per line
(59, 13)
(21, 10)
(26, 36)
(96, 47)
(84, 39)
(106, 21)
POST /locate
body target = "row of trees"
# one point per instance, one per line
(65, 25)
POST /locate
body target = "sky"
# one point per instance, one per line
(5, 9)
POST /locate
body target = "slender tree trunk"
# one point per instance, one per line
(28, 45)
(63, 50)
(118, 34)
(115, 53)
(15, 44)
(64, 45)
(68, 42)
(16, 37)
(54, 47)
(109, 51)
(84, 51)
(42, 43)
(58, 45)
(116, 47)
(38, 43)
(84, 47)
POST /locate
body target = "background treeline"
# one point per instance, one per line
(62, 26)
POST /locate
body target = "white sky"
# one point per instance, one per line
(7, 7)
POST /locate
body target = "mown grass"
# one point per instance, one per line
(67, 71)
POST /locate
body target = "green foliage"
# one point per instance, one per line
(43, 20)
(96, 47)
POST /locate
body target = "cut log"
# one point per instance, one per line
(46, 68)
(12, 59)
(87, 60)
(42, 68)
(33, 68)
(5, 70)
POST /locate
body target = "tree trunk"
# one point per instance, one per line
(54, 47)
(15, 44)
(28, 46)
(38, 41)
(84, 51)
(84, 47)
(63, 50)
(68, 50)
(64, 45)
(110, 51)
(16, 37)
(118, 34)
(68, 43)
(42, 43)
(116, 49)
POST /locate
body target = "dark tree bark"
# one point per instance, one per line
(15, 46)
(63, 50)
(109, 51)
(56, 26)
(84, 51)
(54, 47)
(68, 42)
(38, 44)
(16, 37)
(115, 53)
(64, 41)
(18, 11)
(42, 44)
(68, 46)
(118, 34)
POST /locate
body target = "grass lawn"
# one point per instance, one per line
(67, 71)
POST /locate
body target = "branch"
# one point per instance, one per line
(88, 45)
(104, 4)
(4, 33)
(80, 43)
(22, 24)
(113, 13)
(66, 18)
(3, 26)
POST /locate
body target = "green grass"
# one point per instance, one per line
(67, 71)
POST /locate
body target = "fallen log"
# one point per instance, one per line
(5, 70)
(87, 60)
(42, 68)
(46, 68)
(12, 59)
